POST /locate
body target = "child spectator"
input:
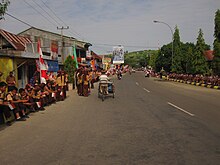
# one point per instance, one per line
(4, 108)
(16, 104)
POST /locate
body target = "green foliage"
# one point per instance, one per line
(199, 61)
(3, 7)
(70, 67)
(187, 50)
(178, 56)
(164, 58)
(141, 58)
(152, 59)
(216, 45)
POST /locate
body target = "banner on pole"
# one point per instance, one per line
(118, 55)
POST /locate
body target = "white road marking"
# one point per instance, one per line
(137, 83)
(180, 109)
(146, 90)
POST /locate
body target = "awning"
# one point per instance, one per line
(53, 66)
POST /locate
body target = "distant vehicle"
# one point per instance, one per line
(133, 70)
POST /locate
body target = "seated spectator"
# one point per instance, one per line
(16, 105)
(37, 97)
(4, 108)
(28, 104)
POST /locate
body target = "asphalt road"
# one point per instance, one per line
(148, 122)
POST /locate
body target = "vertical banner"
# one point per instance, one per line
(88, 54)
(42, 64)
(54, 50)
(74, 55)
(118, 55)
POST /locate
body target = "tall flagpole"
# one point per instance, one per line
(38, 46)
(74, 53)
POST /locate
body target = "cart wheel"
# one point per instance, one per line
(103, 97)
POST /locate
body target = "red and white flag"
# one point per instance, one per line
(42, 64)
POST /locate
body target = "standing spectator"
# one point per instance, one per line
(34, 79)
(60, 83)
(93, 79)
(85, 84)
(1, 75)
(80, 83)
(11, 81)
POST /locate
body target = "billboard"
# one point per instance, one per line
(118, 55)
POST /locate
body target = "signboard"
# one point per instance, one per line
(118, 55)
(106, 60)
(88, 54)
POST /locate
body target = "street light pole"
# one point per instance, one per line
(171, 33)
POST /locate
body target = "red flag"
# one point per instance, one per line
(42, 64)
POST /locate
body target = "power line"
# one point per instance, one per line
(134, 46)
(73, 32)
(95, 44)
(39, 12)
(19, 20)
(53, 13)
(46, 12)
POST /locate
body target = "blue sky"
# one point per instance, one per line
(105, 23)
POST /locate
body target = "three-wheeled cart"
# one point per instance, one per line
(106, 88)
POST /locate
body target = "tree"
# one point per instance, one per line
(3, 7)
(70, 67)
(152, 59)
(216, 45)
(177, 59)
(199, 60)
(141, 58)
(187, 50)
(164, 58)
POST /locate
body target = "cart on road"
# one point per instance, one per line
(105, 89)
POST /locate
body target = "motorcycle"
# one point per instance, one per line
(147, 74)
(119, 76)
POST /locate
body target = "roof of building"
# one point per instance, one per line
(18, 42)
(209, 55)
(95, 56)
(87, 43)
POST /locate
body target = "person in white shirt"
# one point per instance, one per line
(104, 79)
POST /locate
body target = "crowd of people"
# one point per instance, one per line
(85, 79)
(198, 78)
(34, 97)
(19, 103)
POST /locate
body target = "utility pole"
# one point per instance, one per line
(62, 42)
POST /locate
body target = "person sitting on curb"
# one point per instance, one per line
(4, 108)
(16, 105)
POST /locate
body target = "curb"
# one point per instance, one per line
(194, 83)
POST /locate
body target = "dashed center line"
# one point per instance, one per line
(137, 83)
(180, 109)
(146, 90)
